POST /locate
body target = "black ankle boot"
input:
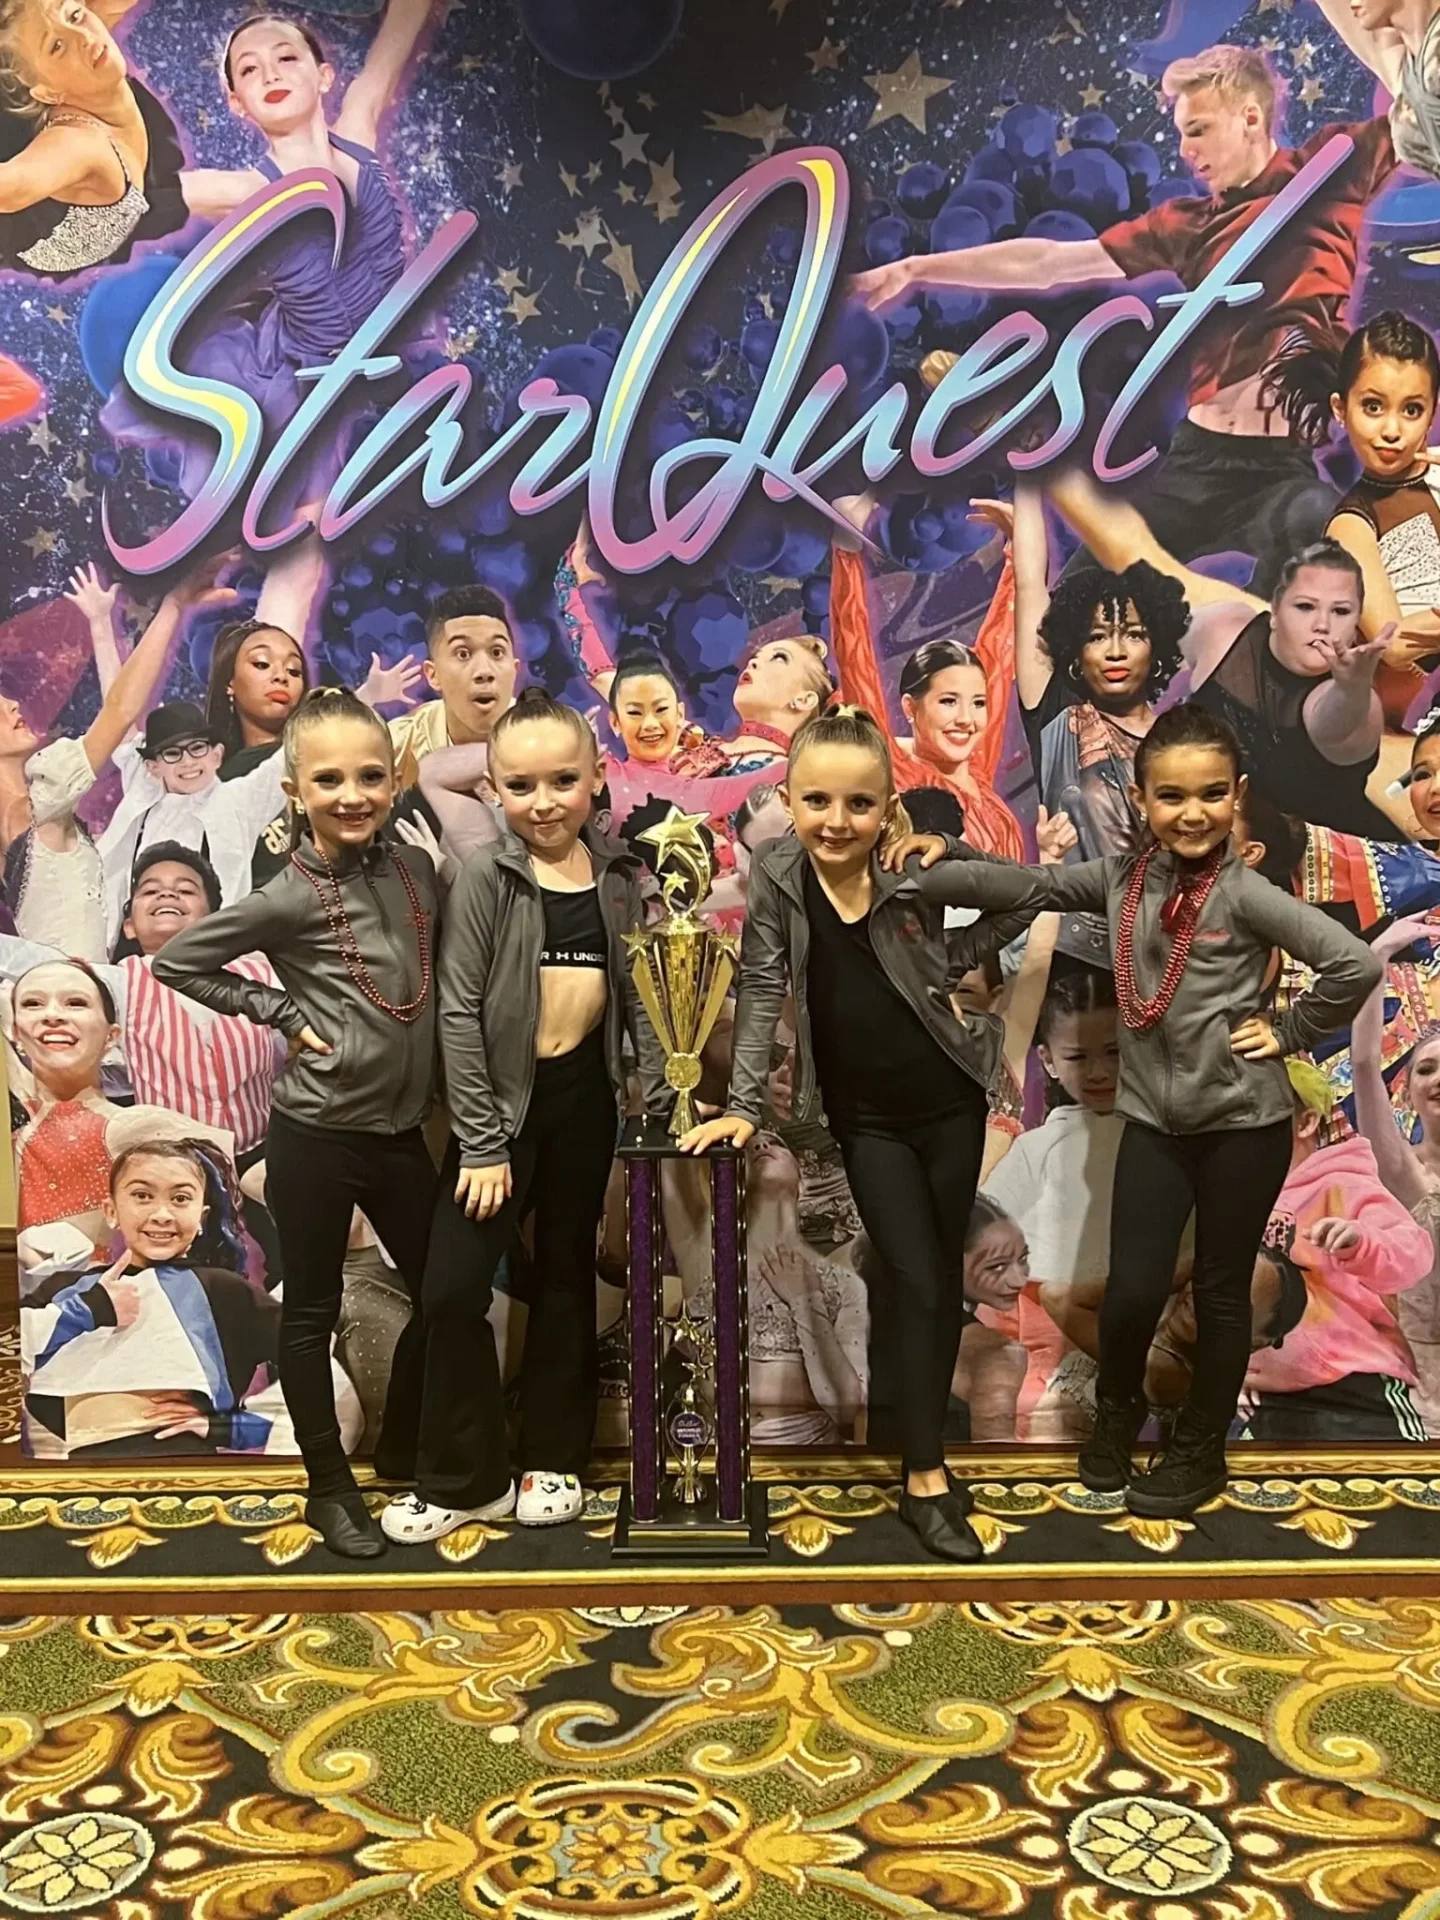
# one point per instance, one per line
(941, 1526)
(1104, 1464)
(345, 1524)
(1190, 1471)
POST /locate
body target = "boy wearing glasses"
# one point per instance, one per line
(172, 791)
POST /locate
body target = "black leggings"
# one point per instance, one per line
(1231, 1181)
(559, 1169)
(913, 1188)
(315, 1178)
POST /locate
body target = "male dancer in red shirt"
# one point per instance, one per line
(1233, 479)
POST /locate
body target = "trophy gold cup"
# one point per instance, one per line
(682, 971)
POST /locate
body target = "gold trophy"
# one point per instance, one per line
(690, 1427)
(682, 969)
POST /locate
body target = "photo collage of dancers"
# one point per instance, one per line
(319, 857)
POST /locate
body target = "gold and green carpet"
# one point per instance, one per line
(1140, 1760)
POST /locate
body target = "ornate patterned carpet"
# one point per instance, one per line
(1151, 1760)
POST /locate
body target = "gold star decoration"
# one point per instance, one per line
(77, 491)
(765, 124)
(570, 184)
(1091, 97)
(523, 307)
(43, 540)
(621, 262)
(773, 583)
(646, 100)
(904, 93)
(630, 146)
(509, 176)
(615, 113)
(1072, 30)
(470, 63)
(58, 315)
(677, 837)
(827, 54)
(457, 344)
(589, 234)
(1270, 43)
(41, 436)
(626, 194)
(509, 279)
(1311, 91)
(593, 172)
(664, 194)
(1305, 54)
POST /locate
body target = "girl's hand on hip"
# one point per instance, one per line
(713, 1133)
(1254, 1039)
(929, 846)
(482, 1191)
(308, 1041)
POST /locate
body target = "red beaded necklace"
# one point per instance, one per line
(1179, 917)
(333, 907)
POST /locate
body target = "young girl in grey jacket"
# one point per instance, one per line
(1203, 1088)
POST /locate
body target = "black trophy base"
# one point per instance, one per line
(692, 1533)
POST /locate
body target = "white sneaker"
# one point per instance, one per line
(409, 1521)
(549, 1499)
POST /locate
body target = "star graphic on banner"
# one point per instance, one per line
(1276, 6)
(457, 344)
(470, 63)
(41, 436)
(570, 184)
(664, 194)
(773, 584)
(1271, 43)
(593, 172)
(523, 307)
(825, 55)
(589, 234)
(626, 194)
(765, 124)
(509, 279)
(1091, 97)
(630, 146)
(621, 262)
(1305, 53)
(77, 490)
(904, 93)
(615, 113)
(509, 177)
(1072, 30)
(43, 540)
(1311, 91)
(59, 315)
(646, 100)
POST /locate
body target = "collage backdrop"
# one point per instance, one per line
(598, 343)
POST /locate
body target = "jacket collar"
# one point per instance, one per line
(785, 860)
(604, 852)
(1167, 865)
(371, 860)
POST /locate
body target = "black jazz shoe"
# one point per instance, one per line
(346, 1525)
(1190, 1472)
(1104, 1464)
(938, 1522)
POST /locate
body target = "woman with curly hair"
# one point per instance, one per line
(1091, 659)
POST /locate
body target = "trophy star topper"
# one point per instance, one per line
(680, 845)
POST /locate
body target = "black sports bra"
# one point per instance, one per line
(574, 931)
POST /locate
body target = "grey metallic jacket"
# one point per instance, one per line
(1182, 1076)
(907, 930)
(380, 1078)
(490, 991)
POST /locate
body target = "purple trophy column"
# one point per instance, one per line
(647, 1455)
(732, 1385)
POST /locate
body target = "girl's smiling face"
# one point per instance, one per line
(62, 1027)
(1425, 786)
(158, 1206)
(344, 781)
(1424, 1086)
(950, 716)
(547, 776)
(648, 717)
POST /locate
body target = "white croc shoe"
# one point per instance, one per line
(549, 1499)
(410, 1521)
